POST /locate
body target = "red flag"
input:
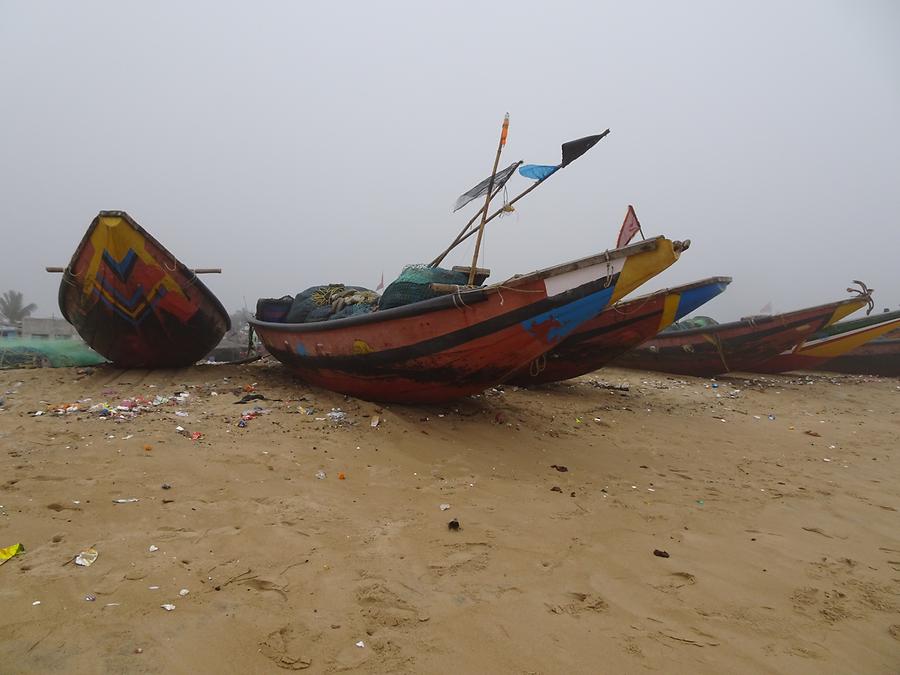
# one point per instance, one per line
(380, 283)
(630, 227)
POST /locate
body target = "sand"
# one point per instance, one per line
(783, 534)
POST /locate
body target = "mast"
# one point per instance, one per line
(487, 200)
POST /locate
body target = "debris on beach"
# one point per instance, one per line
(87, 557)
(10, 551)
(453, 525)
(660, 554)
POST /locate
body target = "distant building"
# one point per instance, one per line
(46, 328)
(8, 331)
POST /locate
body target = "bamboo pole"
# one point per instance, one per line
(487, 199)
(199, 270)
(437, 261)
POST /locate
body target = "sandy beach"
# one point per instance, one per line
(775, 499)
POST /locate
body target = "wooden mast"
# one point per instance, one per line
(487, 199)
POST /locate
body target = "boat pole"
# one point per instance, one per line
(487, 200)
(437, 261)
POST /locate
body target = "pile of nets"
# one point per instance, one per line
(334, 301)
(414, 284)
(46, 353)
(690, 324)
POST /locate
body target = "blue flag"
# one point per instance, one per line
(537, 171)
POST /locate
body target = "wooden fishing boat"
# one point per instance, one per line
(134, 303)
(737, 346)
(617, 329)
(843, 338)
(880, 356)
(466, 341)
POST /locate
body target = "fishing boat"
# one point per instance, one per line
(133, 302)
(712, 350)
(466, 340)
(617, 329)
(849, 343)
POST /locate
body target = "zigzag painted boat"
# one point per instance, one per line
(616, 330)
(880, 356)
(737, 346)
(846, 337)
(134, 303)
(464, 342)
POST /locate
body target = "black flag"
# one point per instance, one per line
(575, 149)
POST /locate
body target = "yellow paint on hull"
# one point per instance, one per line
(845, 310)
(839, 345)
(670, 310)
(641, 267)
(116, 237)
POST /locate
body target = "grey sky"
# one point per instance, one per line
(298, 143)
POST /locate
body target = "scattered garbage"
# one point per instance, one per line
(90, 597)
(556, 488)
(168, 607)
(86, 558)
(375, 421)
(251, 397)
(35, 603)
(10, 551)
(453, 525)
(660, 554)
(341, 476)
(445, 507)
(127, 500)
(336, 415)
(153, 548)
(166, 486)
(320, 474)
(559, 467)
(360, 644)
(183, 592)
(196, 435)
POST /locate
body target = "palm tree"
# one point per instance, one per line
(12, 309)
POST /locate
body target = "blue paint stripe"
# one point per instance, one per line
(695, 297)
(571, 316)
(122, 268)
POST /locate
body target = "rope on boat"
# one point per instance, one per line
(538, 365)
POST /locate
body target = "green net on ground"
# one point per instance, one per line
(44, 353)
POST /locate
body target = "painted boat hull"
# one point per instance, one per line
(134, 303)
(732, 347)
(616, 330)
(817, 352)
(878, 357)
(461, 344)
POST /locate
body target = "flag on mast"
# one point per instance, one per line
(630, 227)
(380, 283)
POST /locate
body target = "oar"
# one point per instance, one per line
(571, 151)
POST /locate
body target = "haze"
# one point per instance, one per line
(294, 144)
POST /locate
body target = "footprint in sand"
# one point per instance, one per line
(286, 648)
(579, 603)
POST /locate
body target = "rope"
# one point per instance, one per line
(538, 365)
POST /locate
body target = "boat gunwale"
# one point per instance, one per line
(463, 296)
(750, 321)
(673, 289)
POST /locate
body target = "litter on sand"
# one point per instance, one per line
(87, 557)
(168, 607)
(10, 551)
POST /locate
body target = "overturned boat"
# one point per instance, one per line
(465, 340)
(134, 303)
(715, 349)
(619, 328)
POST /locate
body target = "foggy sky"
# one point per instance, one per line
(294, 144)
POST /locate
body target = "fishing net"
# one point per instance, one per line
(414, 284)
(690, 324)
(333, 301)
(274, 309)
(44, 353)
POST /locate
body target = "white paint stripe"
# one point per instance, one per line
(575, 278)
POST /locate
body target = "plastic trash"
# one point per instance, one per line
(360, 644)
(153, 548)
(10, 551)
(453, 525)
(168, 606)
(444, 507)
(127, 500)
(87, 557)
(320, 474)
(183, 592)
